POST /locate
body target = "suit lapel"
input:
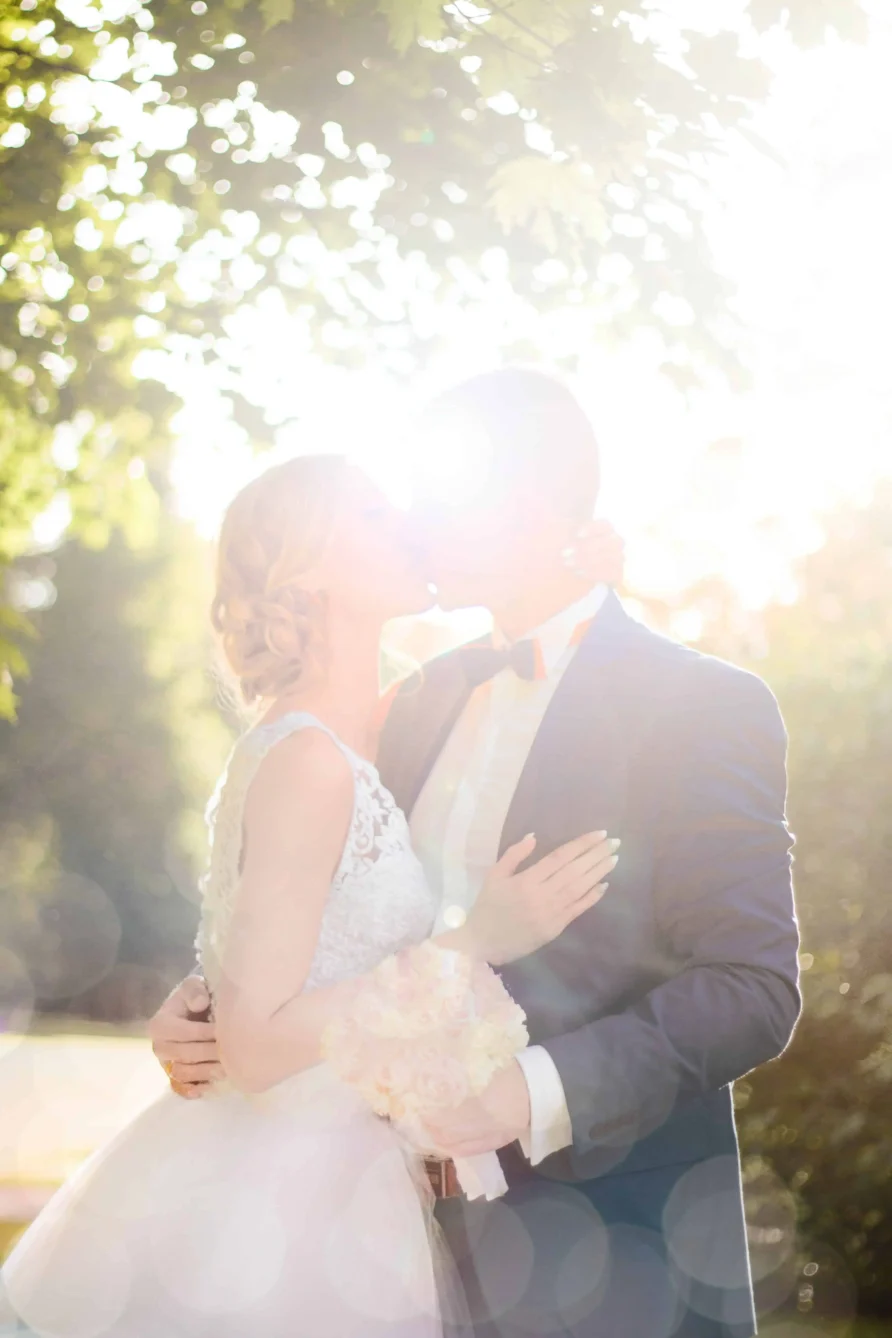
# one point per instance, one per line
(574, 778)
(418, 725)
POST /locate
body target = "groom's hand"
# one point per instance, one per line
(186, 1048)
(487, 1122)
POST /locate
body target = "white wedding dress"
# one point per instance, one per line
(293, 1214)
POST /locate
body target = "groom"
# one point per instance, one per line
(624, 1215)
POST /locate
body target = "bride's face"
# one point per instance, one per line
(370, 567)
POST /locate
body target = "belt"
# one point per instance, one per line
(443, 1178)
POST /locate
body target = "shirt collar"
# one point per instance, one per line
(559, 632)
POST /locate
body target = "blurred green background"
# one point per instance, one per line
(218, 224)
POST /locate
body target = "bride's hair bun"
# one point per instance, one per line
(271, 627)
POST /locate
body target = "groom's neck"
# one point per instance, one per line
(528, 608)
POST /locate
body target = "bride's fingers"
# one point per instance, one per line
(555, 864)
(585, 903)
(588, 878)
(590, 859)
(515, 855)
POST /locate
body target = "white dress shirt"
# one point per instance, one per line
(458, 819)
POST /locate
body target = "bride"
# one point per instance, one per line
(282, 1207)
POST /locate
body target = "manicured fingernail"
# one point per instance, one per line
(530, 836)
(599, 836)
(602, 888)
(615, 843)
(613, 861)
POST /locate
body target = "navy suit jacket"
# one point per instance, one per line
(685, 976)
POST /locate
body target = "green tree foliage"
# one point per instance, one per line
(411, 138)
(73, 299)
(163, 162)
(104, 778)
(821, 1114)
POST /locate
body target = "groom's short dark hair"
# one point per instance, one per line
(532, 419)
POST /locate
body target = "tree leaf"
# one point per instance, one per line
(427, 147)
(550, 199)
(407, 20)
(809, 20)
(276, 11)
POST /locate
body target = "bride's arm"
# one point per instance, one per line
(297, 816)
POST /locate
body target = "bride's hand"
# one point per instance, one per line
(516, 913)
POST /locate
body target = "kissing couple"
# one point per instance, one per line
(594, 810)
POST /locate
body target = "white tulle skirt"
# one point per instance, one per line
(294, 1214)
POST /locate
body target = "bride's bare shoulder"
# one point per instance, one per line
(306, 768)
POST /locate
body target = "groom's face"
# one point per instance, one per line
(486, 526)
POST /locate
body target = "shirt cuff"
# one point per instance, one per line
(550, 1127)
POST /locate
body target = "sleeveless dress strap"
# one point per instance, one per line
(266, 736)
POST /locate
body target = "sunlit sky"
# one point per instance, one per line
(806, 239)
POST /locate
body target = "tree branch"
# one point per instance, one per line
(522, 27)
(492, 37)
(57, 66)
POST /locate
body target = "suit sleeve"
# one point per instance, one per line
(724, 906)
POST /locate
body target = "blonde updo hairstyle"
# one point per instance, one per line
(271, 626)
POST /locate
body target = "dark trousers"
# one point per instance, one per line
(654, 1254)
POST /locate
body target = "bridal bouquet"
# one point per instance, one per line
(427, 1030)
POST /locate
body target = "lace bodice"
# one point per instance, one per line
(379, 900)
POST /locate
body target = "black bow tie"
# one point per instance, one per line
(482, 663)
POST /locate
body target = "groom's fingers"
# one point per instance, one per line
(190, 1090)
(171, 1028)
(184, 1072)
(187, 1052)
